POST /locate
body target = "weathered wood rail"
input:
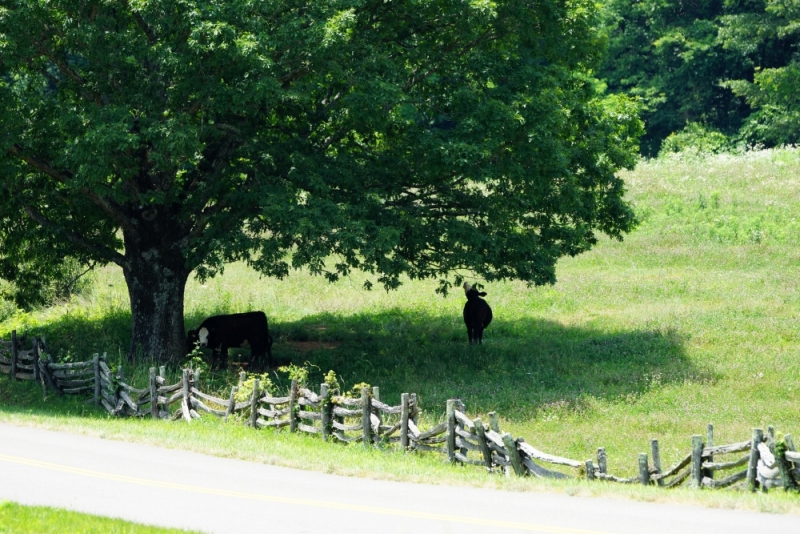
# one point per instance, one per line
(16, 361)
(759, 462)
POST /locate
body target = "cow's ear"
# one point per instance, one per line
(482, 294)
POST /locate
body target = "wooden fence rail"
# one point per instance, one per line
(759, 462)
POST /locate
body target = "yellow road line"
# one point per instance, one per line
(289, 500)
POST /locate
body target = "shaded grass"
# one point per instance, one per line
(19, 519)
(692, 319)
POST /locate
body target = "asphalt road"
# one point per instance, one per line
(216, 495)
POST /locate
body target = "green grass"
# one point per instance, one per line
(693, 319)
(18, 519)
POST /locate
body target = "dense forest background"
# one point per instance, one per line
(713, 74)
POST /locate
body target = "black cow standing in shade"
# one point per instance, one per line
(222, 332)
(477, 313)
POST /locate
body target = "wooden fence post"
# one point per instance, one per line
(451, 430)
(153, 392)
(404, 420)
(709, 443)
(325, 411)
(784, 467)
(461, 407)
(366, 423)
(231, 403)
(292, 404)
(697, 461)
(118, 389)
(485, 452)
(752, 465)
(790, 447)
(644, 471)
(656, 459)
(97, 384)
(14, 355)
(162, 372)
(376, 395)
(45, 370)
(589, 469)
(185, 400)
(36, 346)
(415, 413)
(494, 422)
(513, 454)
(254, 403)
(601, 460)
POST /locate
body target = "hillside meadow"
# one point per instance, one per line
(692, 319)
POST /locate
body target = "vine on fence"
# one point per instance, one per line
(359, 415)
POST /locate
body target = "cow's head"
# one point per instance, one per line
(471, 292)
(196, 338)
(202, 336)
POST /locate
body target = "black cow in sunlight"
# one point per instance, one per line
(222, 332)
(477, 313)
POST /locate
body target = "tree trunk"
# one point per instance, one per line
(156, 276)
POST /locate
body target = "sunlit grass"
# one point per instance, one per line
(18, 519)
(693, 319)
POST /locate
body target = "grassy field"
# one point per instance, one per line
(693, 319)
(19, 519)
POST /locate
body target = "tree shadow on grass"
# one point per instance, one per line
(524, 366)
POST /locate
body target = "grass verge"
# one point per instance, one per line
(19, 519)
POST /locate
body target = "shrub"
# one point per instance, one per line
(695, 138)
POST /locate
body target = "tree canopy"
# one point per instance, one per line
(421, 137)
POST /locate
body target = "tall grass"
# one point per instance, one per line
(692, 319)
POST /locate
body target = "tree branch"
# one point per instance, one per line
(63, 67)
(112, 209)
(39, 165)
(102, 251)
(67, 71)
(148, 31)
(414, 80)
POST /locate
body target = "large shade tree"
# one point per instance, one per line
(417, 137)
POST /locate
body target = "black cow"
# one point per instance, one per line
(477, 313)
(221, 332)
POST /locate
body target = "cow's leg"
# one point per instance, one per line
(470, 334)
(270, 359)
(223, 356)
(256, 359)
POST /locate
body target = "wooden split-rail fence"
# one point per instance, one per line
(759, 462)
(18, 362)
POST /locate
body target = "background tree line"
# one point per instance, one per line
(715, 72)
